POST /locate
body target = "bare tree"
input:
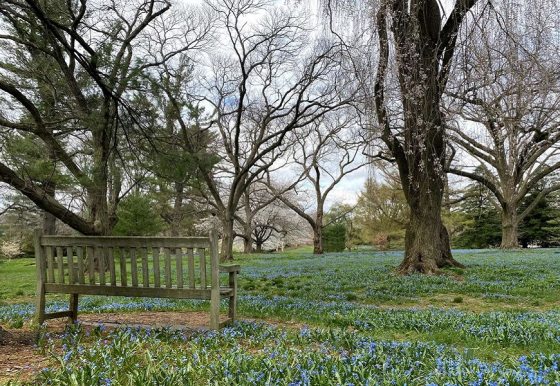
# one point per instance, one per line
(417, 45)
(506, 98)
(268, 80)
(177, 144)
(330, 149)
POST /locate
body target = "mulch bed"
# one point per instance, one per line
(19, 358)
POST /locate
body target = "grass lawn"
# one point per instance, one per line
(352, 321)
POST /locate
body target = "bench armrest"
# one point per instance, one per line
(230, 268)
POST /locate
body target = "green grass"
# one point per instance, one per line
(17, 280)
(503, 306)
(494, 279)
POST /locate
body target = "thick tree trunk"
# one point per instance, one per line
(227, 239)
(259, 247)
(427, 246)
(423, 50)
(49, 221)
(247, 245)
(49, 224)
(247, 228)
(318, 240)
(177, 215)
(510, 237)
(318, 230)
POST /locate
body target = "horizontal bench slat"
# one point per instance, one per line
(176, 293)
(230, 268)
(116, 241)
(56, 315)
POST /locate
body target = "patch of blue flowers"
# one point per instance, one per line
(503, 328)
(260, 354)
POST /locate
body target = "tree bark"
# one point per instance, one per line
(46, 202)
(226, 253)
(49, 220)
(247, 228)
(427, 246)
(177, 215)
(318, 239)
(247, 244)
(510, 224)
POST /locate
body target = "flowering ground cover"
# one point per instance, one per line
(495, 323)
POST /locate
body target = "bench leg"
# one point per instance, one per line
(74, 307)
(233, 298)
(215, 309)
(40, 303)
(232, 308)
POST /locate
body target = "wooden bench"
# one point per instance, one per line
(155, 267)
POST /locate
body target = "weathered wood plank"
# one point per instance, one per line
(43, 263)
(56, 315)
(202, 258)
(190, 254)
(230, 268)
(179, 267)
(167, 258)
(50, 264)
(71, 270)
(214, 283)
(155, 257)
(109, 254)
(60, 264)
(80, 257)
(74, 307)
(145, 268)
(122, 258)
(90, 255)
(101, 261)
(177, 293)
(134, 267)
(118, 241)
(40, 262)
(232, 309)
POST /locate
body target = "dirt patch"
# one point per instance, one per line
(19, 358)
(177, 320)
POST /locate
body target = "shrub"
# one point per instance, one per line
(11, 249)
(334, 238)
(137, 217)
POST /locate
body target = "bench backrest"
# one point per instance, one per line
(154, 262)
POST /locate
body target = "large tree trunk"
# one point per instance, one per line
(427, 246)
(318, 230)
(247, 228)
(227, 238)
(510, 223)
(317, 239)
(98, 190)
(247, 244)
(423, 50)
(49, 220)
(177, 215)
(421, 168)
